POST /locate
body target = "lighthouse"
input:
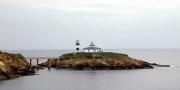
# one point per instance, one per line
(77, 45)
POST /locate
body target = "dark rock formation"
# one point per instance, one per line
(13, 65)
(158, 65)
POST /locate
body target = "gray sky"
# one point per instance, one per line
(56, 24)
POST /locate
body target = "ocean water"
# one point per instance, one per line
(167, 78)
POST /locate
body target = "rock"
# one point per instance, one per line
(97, 61)
(37, 67)
(14, 65)
(6, 72)
(25, 71)
(158, 65)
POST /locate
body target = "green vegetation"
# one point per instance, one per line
(15, 61)
(87, 56)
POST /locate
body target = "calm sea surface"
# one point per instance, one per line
(141, 79)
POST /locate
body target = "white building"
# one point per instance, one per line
(92, 48)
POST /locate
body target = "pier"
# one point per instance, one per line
(38, 59)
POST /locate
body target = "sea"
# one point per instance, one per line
(159, 78)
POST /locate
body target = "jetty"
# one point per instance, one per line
(39, 59)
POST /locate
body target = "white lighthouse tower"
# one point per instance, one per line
(77, 45)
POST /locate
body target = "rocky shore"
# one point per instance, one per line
(13, 66)
(97, 61)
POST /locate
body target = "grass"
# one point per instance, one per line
(87, 56)
(13, 60)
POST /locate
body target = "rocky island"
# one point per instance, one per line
(13, 66)
(96, 61)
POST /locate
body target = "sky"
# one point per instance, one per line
(111, 24)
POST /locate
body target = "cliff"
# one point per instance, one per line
(13, 65)
(97, 61)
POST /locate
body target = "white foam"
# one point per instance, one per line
(172, 66)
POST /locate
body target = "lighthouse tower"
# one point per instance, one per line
(77, 45)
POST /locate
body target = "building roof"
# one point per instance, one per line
(92, 46)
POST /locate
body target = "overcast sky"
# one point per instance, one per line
(56, 24)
